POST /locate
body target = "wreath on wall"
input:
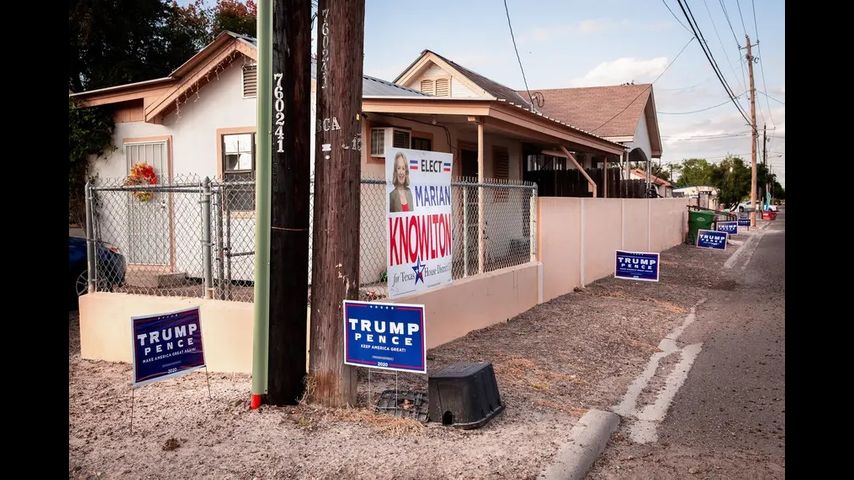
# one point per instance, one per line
(142, 174)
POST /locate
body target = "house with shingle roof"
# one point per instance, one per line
(621, 113)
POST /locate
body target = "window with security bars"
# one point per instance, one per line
(250, 81)
(238, 164)
(422, 144)
(399, 139)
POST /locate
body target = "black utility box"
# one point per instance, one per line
(464, 395)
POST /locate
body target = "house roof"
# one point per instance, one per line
(608, 111)
(653, 178)
(372, 86)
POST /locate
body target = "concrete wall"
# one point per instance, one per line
(451, 312)
(105, 327)
(578, 237)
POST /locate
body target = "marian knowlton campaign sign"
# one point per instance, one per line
(418, 228)
(166, 345)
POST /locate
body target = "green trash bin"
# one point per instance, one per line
(698, 219)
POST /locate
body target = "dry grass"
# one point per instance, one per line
(525, 372)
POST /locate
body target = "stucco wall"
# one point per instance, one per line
(648, 225)
(105, 327)
(451, 312)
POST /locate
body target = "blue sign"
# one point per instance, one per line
(728, 227)
(388, 336)
(744, 221)
(637, 266)
(166, 345)
(712, 239)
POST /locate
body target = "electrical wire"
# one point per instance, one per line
(710, 58)
(761, 63)
(674, 16)
(698, 111)
(513, 37)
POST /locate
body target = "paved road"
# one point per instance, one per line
(728, 418)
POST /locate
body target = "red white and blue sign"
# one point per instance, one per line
(728, 227)
(166, 345)
(637, 266)
(712, 239)
(387, 336)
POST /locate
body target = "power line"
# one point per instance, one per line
(761, 62)
(698, 111)
(726, 15)
(738, 4)
(772, 98)
(715, 28)
(647, 88)
(711, 60)
(674, 16)
(533, 105)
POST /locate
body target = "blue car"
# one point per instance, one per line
(111, 268)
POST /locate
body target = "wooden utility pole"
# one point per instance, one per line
(754, 133)
(335, 262)
(765, 160)
(291, 154)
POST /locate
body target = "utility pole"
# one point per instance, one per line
(754, 133)
(335, 262)
(289, 207)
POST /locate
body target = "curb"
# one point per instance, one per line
(587, 440)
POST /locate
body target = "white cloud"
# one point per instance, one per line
(622, 70)
(594, 26)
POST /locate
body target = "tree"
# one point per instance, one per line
(732, 179)
(695, 172)
(113, 43)
(235, 16)
(90, 132)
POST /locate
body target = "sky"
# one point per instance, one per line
(573, 43)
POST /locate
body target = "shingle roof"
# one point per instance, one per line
(611, 111)
(494, 88)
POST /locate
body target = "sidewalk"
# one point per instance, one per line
(553, 363)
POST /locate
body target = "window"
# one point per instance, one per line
(399, 139)
(238, 164)
(422, 144)
(250, 81)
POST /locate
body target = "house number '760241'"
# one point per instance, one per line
(279, 106)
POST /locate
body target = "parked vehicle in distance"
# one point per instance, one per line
(745, 207)
(111, 268)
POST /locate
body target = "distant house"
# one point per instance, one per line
(662, 186)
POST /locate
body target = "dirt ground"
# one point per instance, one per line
(552, 363)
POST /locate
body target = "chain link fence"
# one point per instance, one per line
(196, 237)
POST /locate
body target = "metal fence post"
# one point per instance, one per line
(90, 239)
(465, 231)
(533, 200)
(206, 235)
(220, 260)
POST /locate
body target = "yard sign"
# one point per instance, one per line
(712, 239)
(637, 266)
(166, 345)
(388, 336)
(728, 227)
(419, 239)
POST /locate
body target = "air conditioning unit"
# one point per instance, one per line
(389, 137)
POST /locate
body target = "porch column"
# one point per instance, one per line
(605, 176)
(480, 223)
